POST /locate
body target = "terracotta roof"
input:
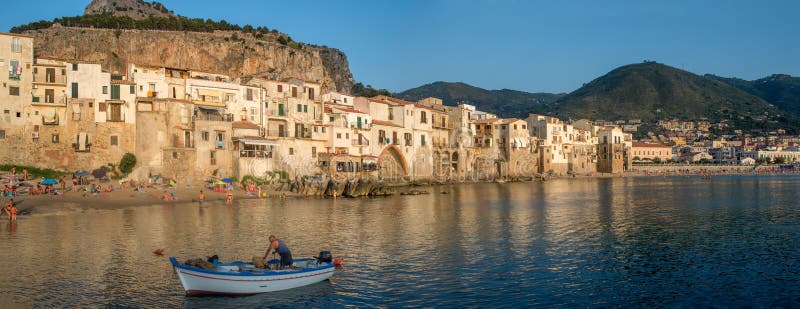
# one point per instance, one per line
(650, 145)
(387, 99)
(385, 123)
(244, 125)
(490, 120)
(347, 110)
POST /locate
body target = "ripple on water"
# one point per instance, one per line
(660, 242)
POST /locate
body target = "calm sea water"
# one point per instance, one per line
(729, 241)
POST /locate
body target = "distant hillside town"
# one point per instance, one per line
(191, 125)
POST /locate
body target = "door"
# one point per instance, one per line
(281, 131)
(280, 110)
(116, 112)
(115, 92)
(359, 122)
(50, 75)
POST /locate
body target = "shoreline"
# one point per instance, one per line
(127, 198)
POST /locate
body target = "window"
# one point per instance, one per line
(252, 114)
(54, 138)
(151, 87)
(381, 136)
(330, 119)
(174, 93)
(338, 135)
(15, 45)
(13, 91)
(424, 116)
(299, 108)
(422, 140)
(75, 90)
(310, 93)
(249, 95)
(294, 92)
(36, 128)
(2, 134)
(313, 152)
(102, 107)
(323, 129)
(291, 151)
(305, 108)
(49, 95)
(74, 66)
(114, 140)
(408, 138)
(280, 88)
(213, 157)
(205, 135)
(220, 140)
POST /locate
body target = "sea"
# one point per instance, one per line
(728, 241)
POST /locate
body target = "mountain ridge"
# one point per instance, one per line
(504, 102)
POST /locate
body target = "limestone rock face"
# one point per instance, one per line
(233, 53)
(132, 8)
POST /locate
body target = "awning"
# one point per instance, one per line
(211, 108)
(209, 93)
(258, 142)
(50, 117)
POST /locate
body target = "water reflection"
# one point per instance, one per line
(573, 242)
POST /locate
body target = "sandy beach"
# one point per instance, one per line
(122, 198)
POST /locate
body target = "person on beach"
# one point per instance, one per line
(63, 182)
(201, 197)
(229, 198)
(13, 211)
(281, 249)
(25, 174)
(166, 196)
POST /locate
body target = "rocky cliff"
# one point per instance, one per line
(235, 53)
(132, 8)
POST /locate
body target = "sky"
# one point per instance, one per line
(534, 46)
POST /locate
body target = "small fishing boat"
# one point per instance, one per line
(242, 278)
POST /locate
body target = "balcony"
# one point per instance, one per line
(261, 154)
(49, 79)
(152, 94)
(361, 142)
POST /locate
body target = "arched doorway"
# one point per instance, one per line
(392, 164)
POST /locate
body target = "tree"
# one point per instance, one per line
(127, 163)
(704, 161)
(637, 158)
(779, 160)
(657, 160)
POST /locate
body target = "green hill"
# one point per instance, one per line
(780, 90)
(504, 102)
(651, 91)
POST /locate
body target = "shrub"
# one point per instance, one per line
(127, 163)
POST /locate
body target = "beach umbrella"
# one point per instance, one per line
(219, 183)
(99, 173)
(82, 173)
(227, 180)
(49, 181)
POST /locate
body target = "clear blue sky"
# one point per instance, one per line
(548, 46)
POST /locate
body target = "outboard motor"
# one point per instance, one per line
(325, 256)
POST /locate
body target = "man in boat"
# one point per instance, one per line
(281, 249)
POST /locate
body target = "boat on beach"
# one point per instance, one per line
(242, 278)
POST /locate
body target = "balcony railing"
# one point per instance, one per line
(43, 79)
(262, 154)
(360, 142)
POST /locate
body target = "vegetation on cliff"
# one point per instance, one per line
(780, 90)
